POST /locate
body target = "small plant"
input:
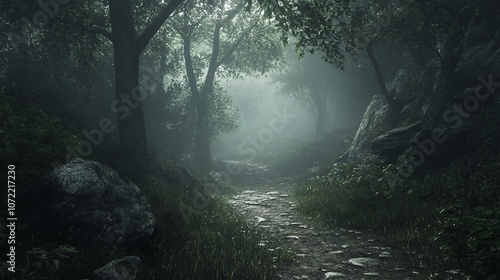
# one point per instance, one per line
(46, 262)
(357, 196)
(30, 139)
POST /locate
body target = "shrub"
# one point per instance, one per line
(30, 139)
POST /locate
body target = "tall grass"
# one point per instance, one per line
(218, 243)
(449, 218)
(358, 197)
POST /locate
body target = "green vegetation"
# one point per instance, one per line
(449, 217)
(30, 139)
(218, 243)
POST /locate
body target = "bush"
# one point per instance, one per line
(358, 196)
(30, 139)
(451, 217)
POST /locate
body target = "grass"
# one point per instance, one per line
(363, 203)
(218, 243)
(445, 220)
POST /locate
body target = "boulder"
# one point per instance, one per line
(337, 139)
(88, 201)
(126, 268)
(392, 143)
(480, 57)
(427, 155)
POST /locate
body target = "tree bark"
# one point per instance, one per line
(322, 118)
(202, 156)
(393, 106)
(130, 116)
(127, 48)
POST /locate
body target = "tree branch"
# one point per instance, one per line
(94, 30)
(235, 46)
(155, 25)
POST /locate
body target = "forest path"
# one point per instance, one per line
(320, 253)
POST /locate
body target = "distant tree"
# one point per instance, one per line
(341, 29)
(309, 80)
(221, 39)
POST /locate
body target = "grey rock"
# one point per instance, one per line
(126, 268)
(333, 275)
(392, 143)
(372, 125)
(92, 202)
(364, 262)
(385, 255)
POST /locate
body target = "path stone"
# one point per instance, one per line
(333, 275)
(364, 262)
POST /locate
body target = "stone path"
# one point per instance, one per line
(320, 253)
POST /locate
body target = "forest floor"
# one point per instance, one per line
(320, 252)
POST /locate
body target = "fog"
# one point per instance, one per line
(274, 118)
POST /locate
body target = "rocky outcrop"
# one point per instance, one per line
(373, 124)
(89, 202)
(481, 54)
(337, 139)
(126, 268)
(394, 142)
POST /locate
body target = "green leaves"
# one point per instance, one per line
(44, 263)
(31, 140)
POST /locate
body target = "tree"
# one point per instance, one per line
(127, 48)
(129, 25)
(309, 81)
(221, 40)
(342, 29)
(339, 29)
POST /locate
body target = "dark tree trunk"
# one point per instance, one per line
(130, 116)
(450, 57)
(202, 156)
(322, 116)
(127, 48)
(394, 107)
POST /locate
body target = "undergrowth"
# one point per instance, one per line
(447, 219)
(217, 243)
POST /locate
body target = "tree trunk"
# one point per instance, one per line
(450, 57)
(202, 156)
(393, 106)
(130, 116)
(322, 118)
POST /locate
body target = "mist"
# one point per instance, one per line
(248, 140)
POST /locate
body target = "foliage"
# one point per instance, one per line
(450, 216)
(357, 196)
(468, 228)
(224, 117)
(298, 158)
(30, 139)
(43, 262)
